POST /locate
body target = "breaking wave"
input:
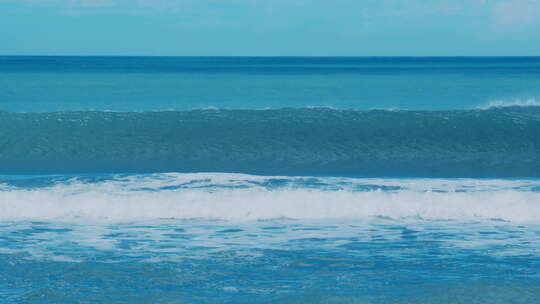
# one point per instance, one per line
(245, 197)
(532, 102)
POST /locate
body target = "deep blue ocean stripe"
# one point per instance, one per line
(267, 65)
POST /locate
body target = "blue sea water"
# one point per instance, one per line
(44, 84)
(269, 180)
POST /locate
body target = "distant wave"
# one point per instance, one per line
(497, 142)
(532, 102)
(243, 197)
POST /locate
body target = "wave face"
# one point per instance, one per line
(498, 142)
(239, 197)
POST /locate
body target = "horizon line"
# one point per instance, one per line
(282, 56)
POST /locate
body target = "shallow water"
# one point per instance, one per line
(377, 261)
(233, 238)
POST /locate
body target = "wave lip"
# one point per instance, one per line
(531, 102)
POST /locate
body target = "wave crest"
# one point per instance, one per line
(531, 102)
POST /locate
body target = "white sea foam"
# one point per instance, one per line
(144, 198)
(531, 102)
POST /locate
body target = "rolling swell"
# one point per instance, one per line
(497, 142)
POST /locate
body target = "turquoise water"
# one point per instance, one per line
(31, 84)
(269, 180)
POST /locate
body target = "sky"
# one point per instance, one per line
(270, 27)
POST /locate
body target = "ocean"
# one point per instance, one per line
(269, 180)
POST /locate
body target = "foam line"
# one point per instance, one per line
(112, 201)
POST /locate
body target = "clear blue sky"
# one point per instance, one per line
(271, 27)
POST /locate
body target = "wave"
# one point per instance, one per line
(243, 197)
(531, 102)
(497, 142)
